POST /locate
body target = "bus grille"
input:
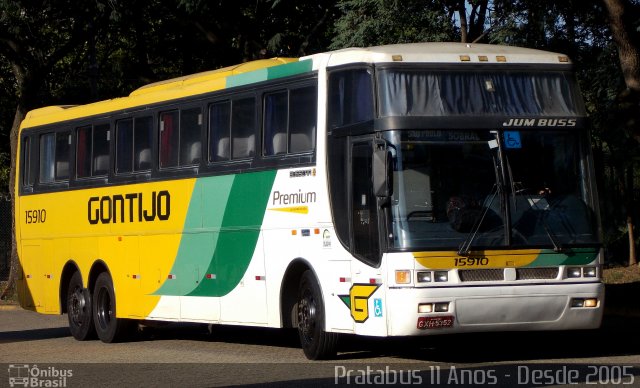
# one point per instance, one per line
(536, 273)
(481, 275)
(497, 274)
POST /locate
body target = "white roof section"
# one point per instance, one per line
(440, 52)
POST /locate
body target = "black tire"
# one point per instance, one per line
(79, 310)
(316, 343)
(108, 327)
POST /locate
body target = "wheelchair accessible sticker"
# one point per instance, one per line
(377, 307)
(512, 139)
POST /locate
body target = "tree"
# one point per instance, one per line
(376, 22)
(624, 19)
(35, 37)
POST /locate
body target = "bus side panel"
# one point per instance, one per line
(122, 254)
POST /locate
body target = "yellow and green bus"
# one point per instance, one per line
(400, 190)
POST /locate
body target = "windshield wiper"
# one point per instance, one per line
(557, 247)
(465, 247)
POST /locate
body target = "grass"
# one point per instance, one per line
(621, 275)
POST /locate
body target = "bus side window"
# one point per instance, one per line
(27, 176)
(275, 123)
(124, 146)
(190, 130)
(84, 139)
(47, 150)
(169, 139)
(303, 109)
(243, 128)
(350, 97)
(92, 150)
(219, 131)
(143, 127)
(63, 144)
(101, 139)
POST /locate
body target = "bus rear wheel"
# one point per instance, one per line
(316, 343)
(79, 310)
(108, 327)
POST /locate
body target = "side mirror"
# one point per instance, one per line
(382, 171)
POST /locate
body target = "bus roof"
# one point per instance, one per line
(264, 69)
(174, 88)
(442, 52)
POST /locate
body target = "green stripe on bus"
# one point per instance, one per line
(238, 238)
(233, 208)
(575, 256)
(196, 246)
(274, 72)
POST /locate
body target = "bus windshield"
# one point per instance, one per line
(420, 92)
(451, 186)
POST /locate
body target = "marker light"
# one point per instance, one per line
(589, 272)
(591, 302)
(424, 308)
(423, 277)
(441, 276)
(574, 272)
(403, 277)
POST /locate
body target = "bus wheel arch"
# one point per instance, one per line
(65, 277)
(97, 268)
(289, 292)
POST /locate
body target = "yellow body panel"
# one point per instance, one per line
(67, 235)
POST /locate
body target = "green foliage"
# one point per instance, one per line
(375, 22)
(68, 52)
(5, 170)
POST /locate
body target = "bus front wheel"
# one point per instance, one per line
(108, 327)
(79, 310)
(317, 344)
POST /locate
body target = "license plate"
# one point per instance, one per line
(435, 322)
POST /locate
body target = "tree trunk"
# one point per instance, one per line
(632, 242)
(620, 23)
(464, 29)
(15, 261)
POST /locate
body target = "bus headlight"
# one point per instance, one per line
(441, 276)
(574, 272)
(589, 272)
(423, 277)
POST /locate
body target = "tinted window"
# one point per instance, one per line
(243, 123)
(63, 143)
(100, 150)
(92, 150)
(142, 132)
(350, 97)
(47, 157)
(190, 129)
(27, 178)
(133, 148)
(169, 139)
(290, 121)
(124, 146)
(276, 121)
(302, 119)
(219, 131)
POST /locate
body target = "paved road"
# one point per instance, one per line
(188, 355)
